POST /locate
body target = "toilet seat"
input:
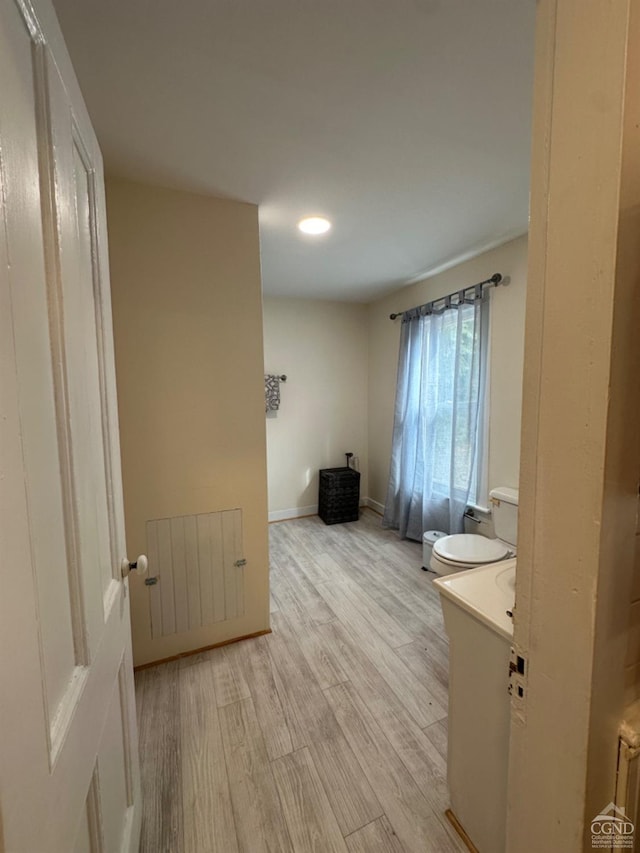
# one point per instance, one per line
(462, 551)
(470, 548)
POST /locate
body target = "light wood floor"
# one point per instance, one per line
(328, 734)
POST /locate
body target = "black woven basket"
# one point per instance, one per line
(339, 495)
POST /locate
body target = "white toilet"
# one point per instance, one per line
(469, 550)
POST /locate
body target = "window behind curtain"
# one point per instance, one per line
(439, 414)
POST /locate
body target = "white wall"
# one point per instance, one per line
(322, 348)
(341, 360)
(507, 347)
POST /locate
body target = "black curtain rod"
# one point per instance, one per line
(495, 280)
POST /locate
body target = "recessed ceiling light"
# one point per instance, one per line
(314, 225)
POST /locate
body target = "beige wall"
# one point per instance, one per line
(507, 345)
(581, 416)
(629, 363)
(185, 275)
(632, 668)
(322, 349)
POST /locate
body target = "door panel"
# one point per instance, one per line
(113, 773)
(68, 751)
(22, 221)
(86, 403)
(83, 843)
(78, 293)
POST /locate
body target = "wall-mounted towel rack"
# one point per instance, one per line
(272, 383)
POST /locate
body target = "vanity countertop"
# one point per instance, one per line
(486, 593)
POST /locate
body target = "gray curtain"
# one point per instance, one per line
(438, 418)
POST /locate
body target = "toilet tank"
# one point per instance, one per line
(504, 509)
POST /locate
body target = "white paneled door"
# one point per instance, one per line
(68, 746)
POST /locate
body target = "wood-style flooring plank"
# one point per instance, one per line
(390, 631)
(373, 696)
(428, 667)
(260, 823)
(436, 646)
(310, 717)
(209, 823)
(313, 724)
(290, 542)
(420, 703)
(387, 709)
(416, 825)
(312, 824)
(332, 567)
(376, 582)
(229, 683)
(414, 588)
(293, 575)
(251, 660)
(307, 536)
(416, 751)
(322, 662)
(160, 762)
(401, 572)
(358, 536)
(437, 734)
(345, 550)
(352, 798)
(382, 575)
(376, 837)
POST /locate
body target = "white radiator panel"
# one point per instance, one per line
(194, 560)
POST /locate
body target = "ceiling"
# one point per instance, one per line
(406, 122)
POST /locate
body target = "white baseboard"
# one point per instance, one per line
(295, 512)
(374, 505)
(300, 511)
